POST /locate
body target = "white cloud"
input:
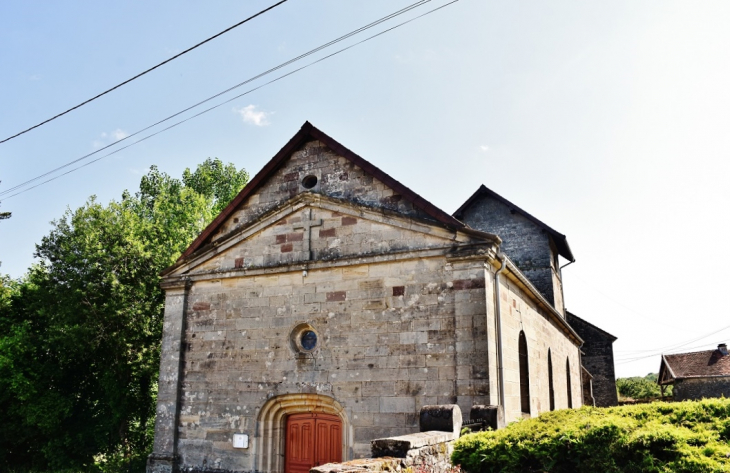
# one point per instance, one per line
(253, 116)
(34, 77)
(119, 134)
(484, 148)
(108, 138)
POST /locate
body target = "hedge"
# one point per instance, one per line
(690, 436)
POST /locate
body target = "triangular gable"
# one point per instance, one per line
(306, 134)
(666, 375)
(561, 242)
(310, 228)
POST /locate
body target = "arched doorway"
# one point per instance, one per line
(272, 432)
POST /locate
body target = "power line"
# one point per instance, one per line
(392, 15)
(145, 72)
(673, 347)
(319, 48)
(582, 281)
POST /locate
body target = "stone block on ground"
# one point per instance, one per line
(445, 417)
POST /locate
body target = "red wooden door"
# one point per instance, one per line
(312, 440)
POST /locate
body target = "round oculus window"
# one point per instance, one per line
(304, 338)
(308, 340)
(309, 181)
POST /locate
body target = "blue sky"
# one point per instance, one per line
(606, 120)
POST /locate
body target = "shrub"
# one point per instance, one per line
(640, 388)
(688, 437)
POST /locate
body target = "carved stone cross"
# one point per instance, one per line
(307, 223)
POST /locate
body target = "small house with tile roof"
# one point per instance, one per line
(697, 375)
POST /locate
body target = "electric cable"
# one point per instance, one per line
(145, 72)
(674, 347)
(392, 15)
(651, 319)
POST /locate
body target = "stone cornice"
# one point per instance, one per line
(341, 262)
(457, 237)
(514, 273)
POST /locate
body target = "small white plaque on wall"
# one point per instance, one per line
(240, 440)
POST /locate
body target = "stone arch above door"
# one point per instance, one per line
(271, 427)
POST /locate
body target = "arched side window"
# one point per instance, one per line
(567, 377)
(524, 374)
(551, 387)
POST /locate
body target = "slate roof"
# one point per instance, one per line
(306, 133)
(561, 242)
(699, 364)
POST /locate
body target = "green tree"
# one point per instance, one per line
(640, 388)
(79, 356)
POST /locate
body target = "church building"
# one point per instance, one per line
(329, 302)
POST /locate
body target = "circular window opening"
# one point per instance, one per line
(308, 340)
(309, 182)
(304, 339)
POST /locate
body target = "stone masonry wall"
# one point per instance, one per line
(403, 310)
(337, 177)
(521, 313)
(393, 337)
(598, 360)
(337, 235)
(698, 388)
(523, 241)
(428, 452)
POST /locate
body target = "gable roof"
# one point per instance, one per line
(699, 364)
(561, 242)
(307, 133)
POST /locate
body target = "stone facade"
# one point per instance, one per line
(699, 388)
(528, 242)
(597, 359)
(400, 297)
(337, 177)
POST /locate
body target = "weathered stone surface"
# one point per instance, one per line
(337, 177)
(525, 242)
(168, 400)
(428, 451)
(598, 359)
(444, 417)
(400, 446)
(698, 388)
(157, 463)
(491, 416)
(402, 306)
(360, 465)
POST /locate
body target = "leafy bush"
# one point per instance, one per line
(640, 388)
(689, 436)
(80, 339)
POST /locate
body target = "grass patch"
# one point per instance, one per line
(691, 436)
